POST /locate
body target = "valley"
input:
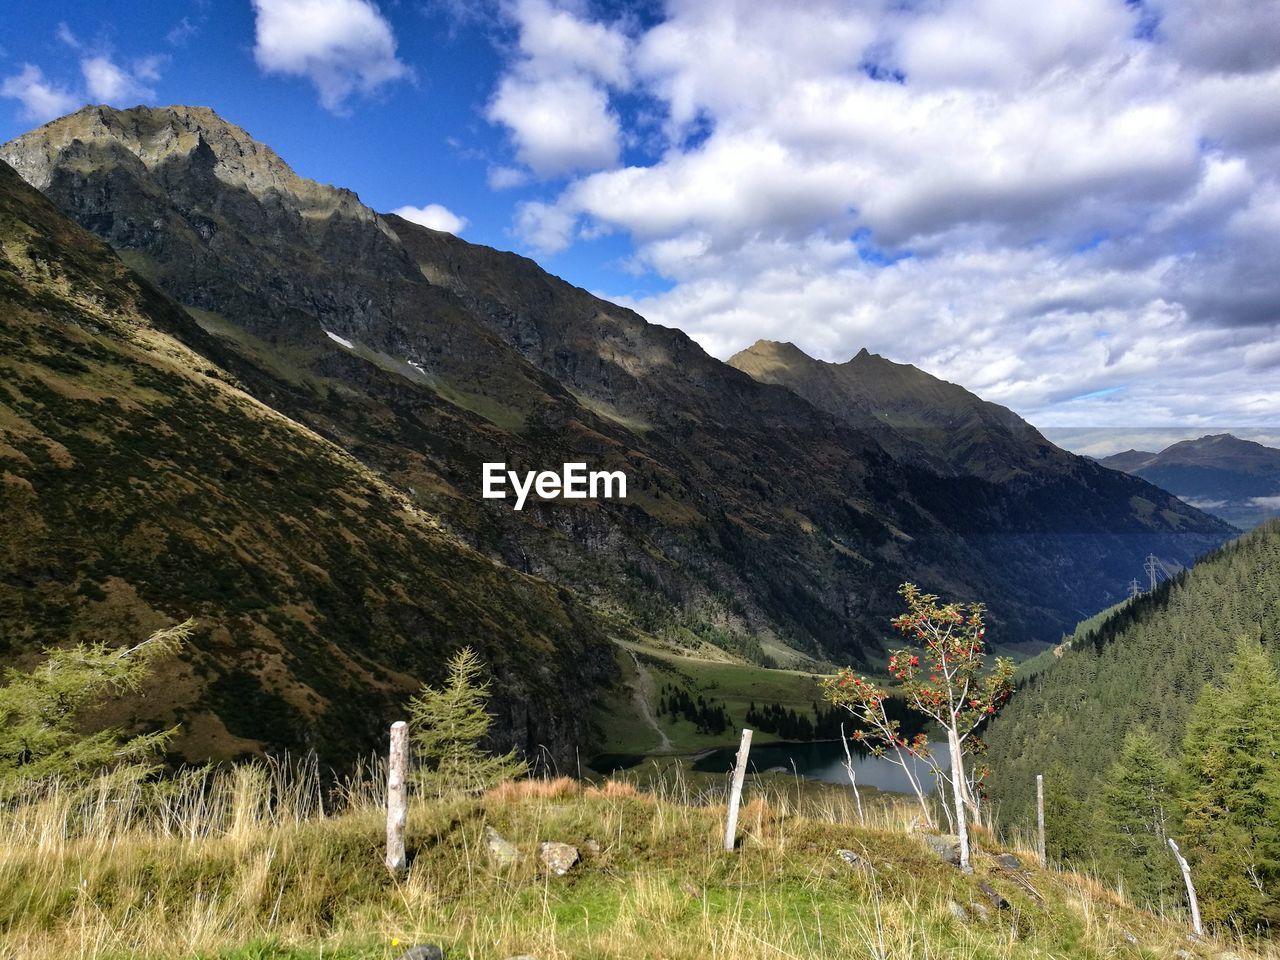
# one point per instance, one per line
(377, 471)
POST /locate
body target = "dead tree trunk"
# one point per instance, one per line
(1040, 817)
(853, 777)
(1191, 890)
(735, 792)
(397, 797)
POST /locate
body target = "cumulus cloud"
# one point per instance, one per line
(41, 100)
(435, 216)
(1074, 211)
(555, 98)
(102, 80)
(108, 82)
(342, 46)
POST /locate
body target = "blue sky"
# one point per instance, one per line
(1073, 210)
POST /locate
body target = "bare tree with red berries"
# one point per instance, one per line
(944, 677)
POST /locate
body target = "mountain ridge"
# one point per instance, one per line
(1236, 479)
(759, 521)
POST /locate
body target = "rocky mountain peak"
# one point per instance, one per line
(160, 136)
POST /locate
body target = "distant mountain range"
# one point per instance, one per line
(774, 504)
(1237, 480)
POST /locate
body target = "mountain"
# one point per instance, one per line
(1237, 480)
(143, 485)
(910, 412)
(1128, 460)
(1145, 664)
(755, 521)
(1004, 467)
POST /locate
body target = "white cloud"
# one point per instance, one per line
(342, 46)
(1044, 205)
(66, 36)
(107, 82)
(40, 99)
(1204, 504)
(559, 123)
(435, 216)
(103, 79)
(555, 98)
(557, 38)
(182, 32)
(545, 226)
(503, 178)
(1267, 503)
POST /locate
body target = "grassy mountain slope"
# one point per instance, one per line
(1145, 664)
(1238, 480)
(756, 519)
(142, 486)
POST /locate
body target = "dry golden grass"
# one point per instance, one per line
(255, 862)
(613, 788)
(548, 789)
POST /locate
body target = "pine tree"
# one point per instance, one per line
(1232, 794)
(1138, 810)
(1068, 825)
(41, 712)
(447, 726)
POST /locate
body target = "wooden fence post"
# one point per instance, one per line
(1040, 817)
(735, 792)
(1191, 890)
(397, 797)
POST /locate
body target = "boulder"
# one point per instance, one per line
(1009, 862)
(558, 858)
(423, 951)
(946, 846)
(855, 861)
(503, 851)
(997, 901)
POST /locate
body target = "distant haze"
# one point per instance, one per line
(1104, 441)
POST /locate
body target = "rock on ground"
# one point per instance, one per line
(944, 845)
(558, 858)
(503, 851)
(423, 951)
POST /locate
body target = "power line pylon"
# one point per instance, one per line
(1153, 568)
(1134, 588)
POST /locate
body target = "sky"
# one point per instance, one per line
(1070, 208)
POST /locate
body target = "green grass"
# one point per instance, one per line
(735, 684)
(255, 870)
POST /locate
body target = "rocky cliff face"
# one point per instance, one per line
(757, 516)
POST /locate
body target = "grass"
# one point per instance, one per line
(252, 862)
(737, 685)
